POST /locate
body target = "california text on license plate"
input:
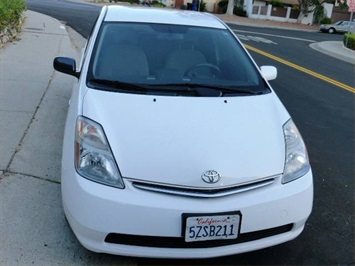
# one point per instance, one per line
(202, 227)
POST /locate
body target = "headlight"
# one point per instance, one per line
(93, 157)
(296, 161)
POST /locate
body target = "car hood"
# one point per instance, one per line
(174, 140)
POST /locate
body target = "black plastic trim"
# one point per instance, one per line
(179, 242)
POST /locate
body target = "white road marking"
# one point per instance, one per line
(274, 35)
(254, 38)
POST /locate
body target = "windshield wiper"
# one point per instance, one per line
(194, 89)
(119, 85)
(140, 88)
(213, 90)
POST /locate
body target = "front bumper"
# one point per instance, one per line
(124, 217)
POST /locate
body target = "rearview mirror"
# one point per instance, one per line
(269, 72)
(65, 65)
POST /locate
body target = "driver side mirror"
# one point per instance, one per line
(66, 65)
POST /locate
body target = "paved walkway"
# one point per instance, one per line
(335, 49)
(33, 105)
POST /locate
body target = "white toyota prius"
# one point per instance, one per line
(175, 144)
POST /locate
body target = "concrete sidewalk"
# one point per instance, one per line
(335, 49)
(33, 105)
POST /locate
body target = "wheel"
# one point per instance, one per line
(192, 71)
(331, 30)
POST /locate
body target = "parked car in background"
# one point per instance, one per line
(338, 27)
(175, 144)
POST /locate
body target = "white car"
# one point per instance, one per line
(175, 144)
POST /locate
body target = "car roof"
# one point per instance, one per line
(344, 21)
(160, 15)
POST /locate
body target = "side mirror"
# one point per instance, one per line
(65, 65)
(268, 72)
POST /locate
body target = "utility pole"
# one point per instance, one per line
(351, 9)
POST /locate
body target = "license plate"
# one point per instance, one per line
(211, 226)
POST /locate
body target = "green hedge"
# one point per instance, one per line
(277, 3)
(351, 40)
(326, 20)
(11, 12)
(237, 10)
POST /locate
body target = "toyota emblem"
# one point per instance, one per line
(211, 176)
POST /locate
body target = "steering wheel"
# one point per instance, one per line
(191, 71)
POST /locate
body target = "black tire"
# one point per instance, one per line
(331, 30)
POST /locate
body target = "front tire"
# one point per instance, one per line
(331, 30)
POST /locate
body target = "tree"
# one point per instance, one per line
(308, 6)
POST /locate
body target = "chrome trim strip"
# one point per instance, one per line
(202, 193)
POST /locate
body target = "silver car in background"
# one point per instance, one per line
(338, 27)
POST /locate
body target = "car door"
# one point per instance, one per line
(344, 26)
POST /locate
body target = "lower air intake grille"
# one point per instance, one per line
(179, 242)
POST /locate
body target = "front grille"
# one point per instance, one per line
(203, 192)
(179, 242)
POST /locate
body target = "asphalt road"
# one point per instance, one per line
(76, 15)
(324, 113)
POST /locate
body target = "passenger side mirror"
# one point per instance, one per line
(66, 65)
(269, 72)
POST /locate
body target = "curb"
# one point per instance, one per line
(349, 57)
(263, 26)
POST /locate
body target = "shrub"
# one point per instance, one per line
(277, 3)
(349, 40)
(11, 13)
(126, 1)
(239, 11)
(319, 14)
(222, 6)
(203, 6)
(326, 20)
(157, 3)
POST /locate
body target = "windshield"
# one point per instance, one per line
(159, 57)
